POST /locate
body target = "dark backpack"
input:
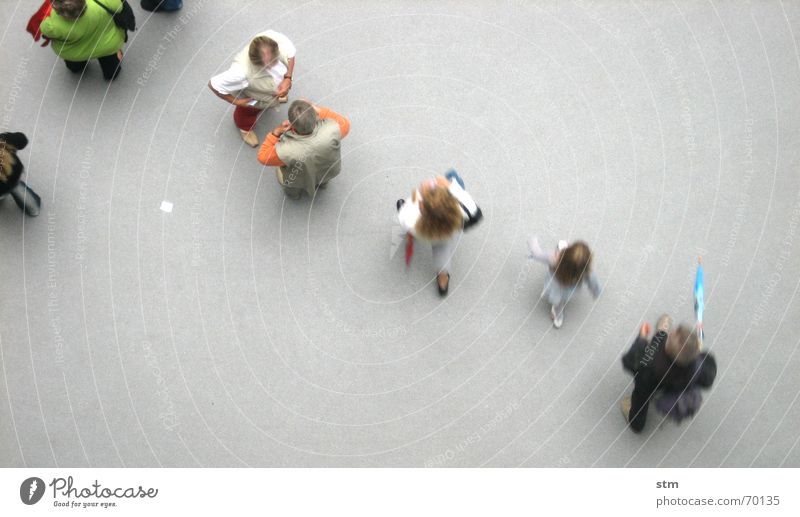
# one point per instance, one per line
(678, 405)
(125, 19)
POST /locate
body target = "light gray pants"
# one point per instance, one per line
(443, 252)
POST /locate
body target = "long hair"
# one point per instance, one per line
(574, 262)
(441, 215)
(7, 161)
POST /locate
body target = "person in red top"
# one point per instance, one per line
(306, 149)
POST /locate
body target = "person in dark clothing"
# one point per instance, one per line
(669, 370)
(11, 171)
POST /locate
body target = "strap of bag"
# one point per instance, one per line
(472, 214)
(106, 9)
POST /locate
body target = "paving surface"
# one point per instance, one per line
(242, 328)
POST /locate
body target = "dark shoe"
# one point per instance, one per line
(114, 75)
(161, 5)
(400, 203)
(27, 200)
(443, 290)
(76, 67)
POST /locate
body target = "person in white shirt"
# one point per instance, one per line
(438, 212)
(259, 78)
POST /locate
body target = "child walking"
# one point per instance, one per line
(570, 265)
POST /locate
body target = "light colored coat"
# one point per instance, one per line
(311, 159)
(261, 83)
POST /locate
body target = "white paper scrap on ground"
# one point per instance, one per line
(166, 206)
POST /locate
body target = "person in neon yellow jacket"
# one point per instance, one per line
(81, 30)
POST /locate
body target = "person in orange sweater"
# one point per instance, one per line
(306, 149)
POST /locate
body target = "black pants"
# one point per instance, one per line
(109, 64)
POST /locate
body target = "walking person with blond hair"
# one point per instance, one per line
(438, 212)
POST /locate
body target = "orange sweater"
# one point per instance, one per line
(267, 154)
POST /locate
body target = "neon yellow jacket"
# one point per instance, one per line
(92, 35)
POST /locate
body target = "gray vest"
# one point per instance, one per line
(311, 159)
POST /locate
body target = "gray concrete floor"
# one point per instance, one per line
(246, 329)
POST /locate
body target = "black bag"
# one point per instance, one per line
(125, 19)
(472, 214)
(473, 218)
(680, 404)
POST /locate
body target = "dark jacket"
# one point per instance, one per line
(654, 371)
(11, 143)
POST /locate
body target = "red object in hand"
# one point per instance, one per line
(409, 248)
(34, 24)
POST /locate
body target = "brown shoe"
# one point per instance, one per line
(443, 283)
(625, 406)
(249, 137)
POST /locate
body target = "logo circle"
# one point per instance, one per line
(31, 490)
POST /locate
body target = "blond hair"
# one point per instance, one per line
(683, 345)
(441, 214)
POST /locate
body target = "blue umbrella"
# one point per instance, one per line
(699, 296)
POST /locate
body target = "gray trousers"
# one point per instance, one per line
(443, 252)
(26, 199)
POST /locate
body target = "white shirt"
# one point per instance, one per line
(409, 213)
(235, 80)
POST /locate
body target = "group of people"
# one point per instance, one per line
(305, 149)
(669, 368)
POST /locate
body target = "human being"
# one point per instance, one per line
(81, 30)
(161, 5)
(11, 170)
(438, 212)
(259, 78)
(569, 267)
(670, 370)
(306, 148)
